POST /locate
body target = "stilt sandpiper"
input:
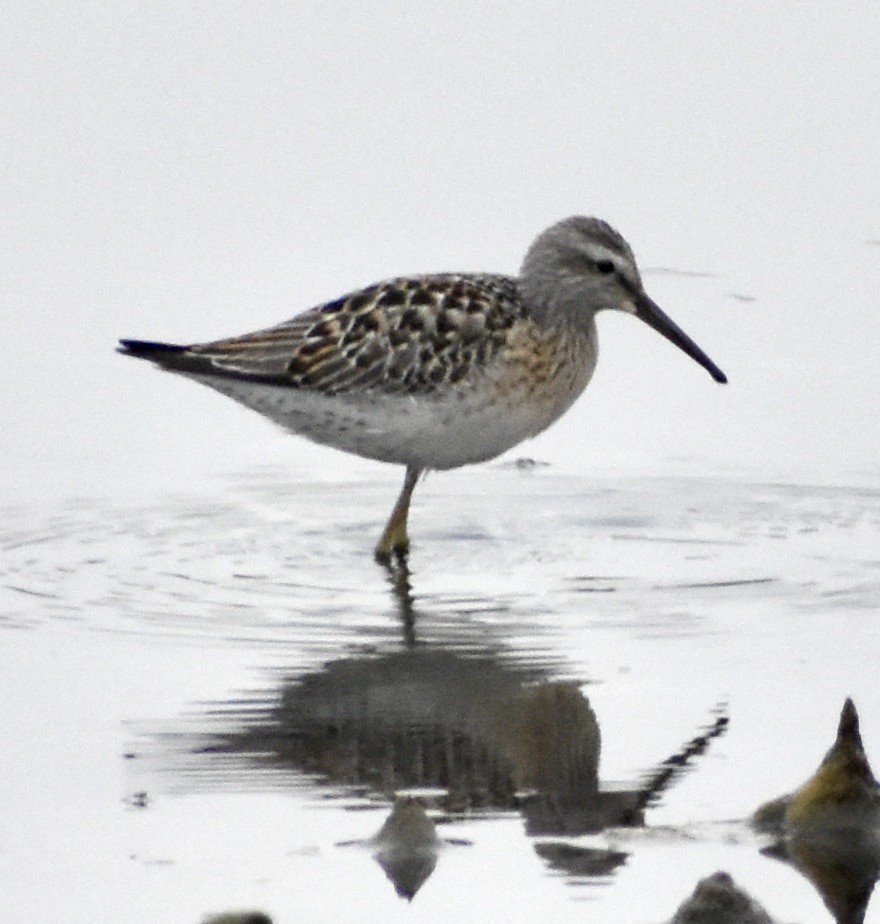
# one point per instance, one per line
(436, 371)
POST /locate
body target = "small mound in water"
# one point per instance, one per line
(406, 847)
(238, 917)
(717, 899)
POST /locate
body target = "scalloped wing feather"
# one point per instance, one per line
(407, 335)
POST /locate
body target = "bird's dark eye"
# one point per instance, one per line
(605, 267)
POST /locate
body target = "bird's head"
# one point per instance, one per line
(582, 265)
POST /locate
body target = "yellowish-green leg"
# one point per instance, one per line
(394, 539)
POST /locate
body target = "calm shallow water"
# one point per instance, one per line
(206, 696)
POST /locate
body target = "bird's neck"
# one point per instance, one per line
(559, 305)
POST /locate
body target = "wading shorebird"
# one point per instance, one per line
(436, 371)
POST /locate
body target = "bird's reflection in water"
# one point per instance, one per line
(488, 734)
(481, 729)
(829, 829)
(397, 571)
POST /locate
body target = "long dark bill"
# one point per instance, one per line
(653, 316)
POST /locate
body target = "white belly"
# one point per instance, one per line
(465, 423)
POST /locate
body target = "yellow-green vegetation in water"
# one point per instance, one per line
(842, 793)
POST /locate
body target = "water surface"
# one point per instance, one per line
(590, 684)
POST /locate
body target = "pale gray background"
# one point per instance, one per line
(185, 171)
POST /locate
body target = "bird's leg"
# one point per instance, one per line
(394, 539)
